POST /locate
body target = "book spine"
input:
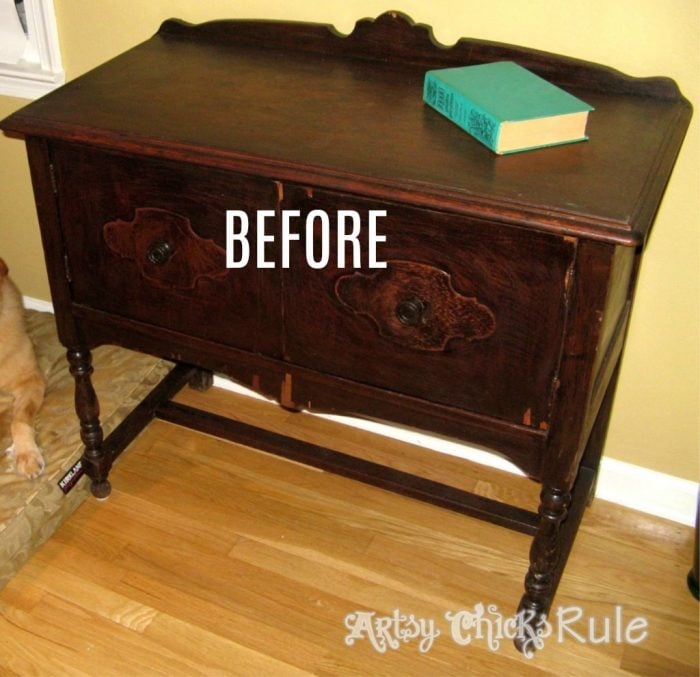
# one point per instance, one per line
(455, 107)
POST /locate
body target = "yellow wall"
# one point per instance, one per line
(656, 416)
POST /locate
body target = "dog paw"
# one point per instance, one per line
(29, 463)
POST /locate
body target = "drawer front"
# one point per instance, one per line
(146, 240)
(466, 313)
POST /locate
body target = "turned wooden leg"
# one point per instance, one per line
(201, 380)
(541, 578)
(96, 461)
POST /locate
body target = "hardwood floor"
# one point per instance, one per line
(213, 559)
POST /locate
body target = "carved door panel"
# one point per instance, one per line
(466, 313)
(149, 238)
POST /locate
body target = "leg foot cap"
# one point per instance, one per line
(101, 490)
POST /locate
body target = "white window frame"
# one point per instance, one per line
(30, 79)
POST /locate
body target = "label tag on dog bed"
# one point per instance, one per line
(70, 479)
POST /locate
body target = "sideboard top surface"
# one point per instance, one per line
(299, 103)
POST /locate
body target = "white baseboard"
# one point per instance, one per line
(632, 486)
(37, 304)
(648, 491)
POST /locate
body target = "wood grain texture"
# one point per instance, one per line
(401, 150)
(416, 305)
(396, 35)
(510, 285)
(184, 206)
(534, 237)
(213, 559)
(165, 249)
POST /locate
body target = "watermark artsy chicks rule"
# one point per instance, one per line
(487, 625)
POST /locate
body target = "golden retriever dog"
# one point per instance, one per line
(20, 378)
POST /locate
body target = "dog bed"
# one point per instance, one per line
(31, 510)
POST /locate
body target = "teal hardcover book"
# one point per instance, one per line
(506, 107)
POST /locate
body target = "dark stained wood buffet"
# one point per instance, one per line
(500, 316)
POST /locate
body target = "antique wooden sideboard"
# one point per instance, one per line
(501, 314)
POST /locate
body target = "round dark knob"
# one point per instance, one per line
(411, 311)
(159, 252)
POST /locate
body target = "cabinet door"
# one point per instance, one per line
(467, 313)
(146, 239)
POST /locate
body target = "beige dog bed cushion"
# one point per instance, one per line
(31, 510)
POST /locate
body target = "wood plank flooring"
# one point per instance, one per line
(213, 559)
